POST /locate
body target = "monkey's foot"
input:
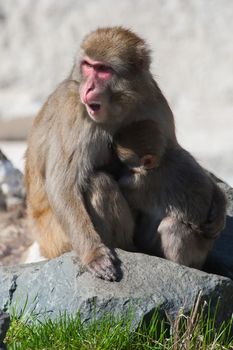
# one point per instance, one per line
(104, 265)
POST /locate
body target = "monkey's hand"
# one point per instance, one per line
(130, 180)
(103, 265)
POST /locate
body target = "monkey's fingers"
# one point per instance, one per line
(103, 267)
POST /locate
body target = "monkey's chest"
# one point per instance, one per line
(98, 149)
(100, 154)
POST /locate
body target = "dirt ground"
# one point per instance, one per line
(15, 237)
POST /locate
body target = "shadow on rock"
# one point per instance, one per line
(220, 259)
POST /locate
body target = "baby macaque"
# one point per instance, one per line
(178, 207)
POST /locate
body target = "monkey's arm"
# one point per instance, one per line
(63, 132)
(68, 206)
(114, 167)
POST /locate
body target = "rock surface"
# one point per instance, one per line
(12, 192)
(220, 259)
(62, 285)
(14, 234)
(4, 325)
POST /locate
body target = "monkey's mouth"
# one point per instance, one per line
(94, 107)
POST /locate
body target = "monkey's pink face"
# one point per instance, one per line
(96, 77)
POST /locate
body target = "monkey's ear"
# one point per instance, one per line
(149, 161)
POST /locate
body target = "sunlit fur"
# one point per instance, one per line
(67, 149)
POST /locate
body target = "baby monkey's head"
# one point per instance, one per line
(138, 146)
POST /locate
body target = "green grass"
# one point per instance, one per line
(194, 332)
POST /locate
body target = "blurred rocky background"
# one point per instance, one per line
(192, 48)
(15, 236)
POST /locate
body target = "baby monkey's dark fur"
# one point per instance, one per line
(180, 209)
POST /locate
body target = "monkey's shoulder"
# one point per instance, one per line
(65, 87)
(181, 167)
(62, 108)
(65, 97)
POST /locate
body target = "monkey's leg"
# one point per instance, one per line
(111, 218)
(144, 234)
(49, 234)
(43, 224)
(110, 212)
(178, 242)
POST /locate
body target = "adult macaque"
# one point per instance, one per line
(190, 207)
(110, 86)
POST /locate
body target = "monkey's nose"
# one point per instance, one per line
(90, 88)
(89, 92)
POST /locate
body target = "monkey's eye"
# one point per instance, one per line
(104, 72)
(103, 68)
(86, 63)
(86, 68)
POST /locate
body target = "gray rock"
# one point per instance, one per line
(12, 192)
(220, 260)
(61, 285)
(4, 325)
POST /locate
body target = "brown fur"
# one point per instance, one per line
(67, 149)
(190, 207)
